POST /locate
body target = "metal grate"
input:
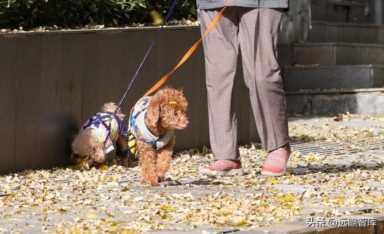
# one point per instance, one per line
(337, 148)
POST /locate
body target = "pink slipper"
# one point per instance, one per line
(222, 168)
(276, 162)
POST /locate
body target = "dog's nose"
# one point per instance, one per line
(185, 122)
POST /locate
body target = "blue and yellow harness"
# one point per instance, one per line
(105, 120)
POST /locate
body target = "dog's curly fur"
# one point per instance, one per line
(88, 148)
(166, 111)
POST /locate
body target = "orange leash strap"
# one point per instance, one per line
(187, 55)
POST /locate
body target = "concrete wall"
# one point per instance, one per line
(356, 11)
(52, 82)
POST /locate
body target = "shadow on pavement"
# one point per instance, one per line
(330, 169)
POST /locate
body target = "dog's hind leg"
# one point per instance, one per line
(164, 158)
(147, 157)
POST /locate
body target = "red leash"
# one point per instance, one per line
(187, 55)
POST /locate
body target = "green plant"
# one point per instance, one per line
(77, 13)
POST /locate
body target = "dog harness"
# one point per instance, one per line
(108, 127)
(137, 130)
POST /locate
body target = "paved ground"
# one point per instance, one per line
(336, 171)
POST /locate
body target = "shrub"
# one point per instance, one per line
(77, 13)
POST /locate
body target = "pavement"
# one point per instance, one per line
(334, 184)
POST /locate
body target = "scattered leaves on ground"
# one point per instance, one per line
(66, 200)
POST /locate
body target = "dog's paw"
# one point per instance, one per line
(153, 181)
(83, 165)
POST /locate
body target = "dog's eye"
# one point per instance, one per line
(177, 113)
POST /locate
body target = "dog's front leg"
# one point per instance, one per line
(147, 157)
(122, 143)
(164, 158)
(123, 150)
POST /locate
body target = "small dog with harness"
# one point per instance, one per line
(98, 137)
(151, 127)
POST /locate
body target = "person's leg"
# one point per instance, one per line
(258, 37)
(221, 54)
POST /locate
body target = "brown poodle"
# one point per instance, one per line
(153, 121)
(98, 137)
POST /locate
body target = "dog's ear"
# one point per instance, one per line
(153, 112)
(109, 107)
(120, 114)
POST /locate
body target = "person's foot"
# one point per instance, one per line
(223, 167)
(276, 162)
